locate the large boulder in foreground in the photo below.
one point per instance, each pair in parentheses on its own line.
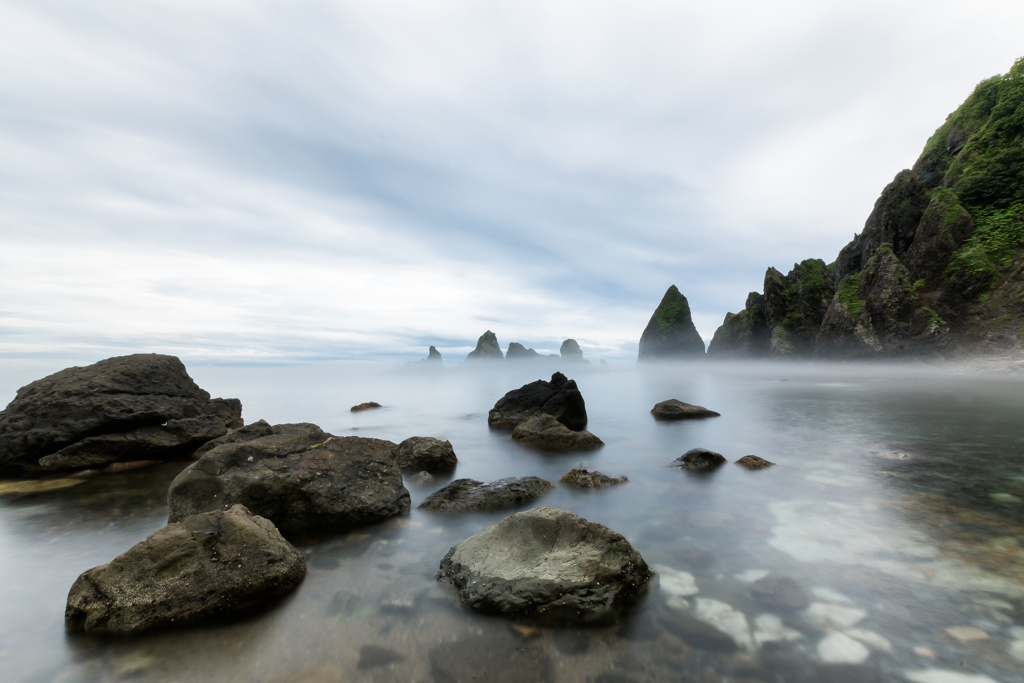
(674,409)
(299,477)
(559,398)
(670,334)
(550,564)
(127,408)
(469,494)
(426,454)
(545,432)
(486,348)
(217,563)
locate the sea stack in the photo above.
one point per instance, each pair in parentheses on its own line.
(486,348)
(433,355)
(670,334)
(571,351)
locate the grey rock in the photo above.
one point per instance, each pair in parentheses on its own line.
(299,477)
(670,334)
(674,409)
(559,398)
(700,459)
(752,462)
(486,348)
(571,351)
(424,453)
(433,355)
(249,432)
(548,564)
(369,405)
(216,563)
(469,494)
(544,431)
(518,351)
(422,478)
(696,633)
(779,592)
(584,479)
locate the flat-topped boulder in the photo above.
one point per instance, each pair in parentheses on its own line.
(426,454)
(469,494)
(214,564)
(700,460)
(301,478)
(753,462)
(547,564)
(545,432)
(584,479)
(674,409)
(127,408)
(559,398)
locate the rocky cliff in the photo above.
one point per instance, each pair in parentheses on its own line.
(937,269)
(670,334)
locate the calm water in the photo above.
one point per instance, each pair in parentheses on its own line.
(914,565)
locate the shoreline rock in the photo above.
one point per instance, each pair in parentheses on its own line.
(700,460)
(469,494)
(559,398)
(545,432)
(581,478)
(674,409)
(426,454)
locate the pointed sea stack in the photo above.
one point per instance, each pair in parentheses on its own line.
(486,348)
(670,334)
(434,355)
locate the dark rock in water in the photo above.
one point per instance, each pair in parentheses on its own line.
(673,409)
(744,334)
(571,351)
(699,459)
(246,433)
(779,592)
(433,355)
(486,348)
(549,564)
(752,462)
(544,431)
(517,350)
(696,633)
(670,334)
(377,655)
(559,398)
(301,478)
(487,659)
(583,479)
(424,453)
(469,494)
(216,563)
(364,406)
(128,408)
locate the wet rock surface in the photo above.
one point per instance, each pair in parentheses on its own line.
(138,407)
(301,478)
(753,462)
(559,398)
(674,409)
(548,564)
(469,494)
(426,454)
(544,431)
(779,592)
(369,405)
(216,563)
(699,460)
(584,479)
(247,433)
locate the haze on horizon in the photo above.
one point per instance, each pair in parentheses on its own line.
(254,181)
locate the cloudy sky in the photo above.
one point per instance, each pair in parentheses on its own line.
(239,181)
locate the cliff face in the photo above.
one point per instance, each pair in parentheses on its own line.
(939,266)
(670,334)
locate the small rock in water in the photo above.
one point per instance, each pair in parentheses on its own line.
(967,634)
(700,459)
(364,406)
(559,398)
(422,478)
(840,648)
(426,453)
(544,431)
(674,409)
(589,480)
(834,616)
(752,462)
(375,655)
(779,592)
(726,619)
(469,494)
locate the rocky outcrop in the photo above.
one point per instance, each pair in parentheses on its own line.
(469,494)
(433,355)
(127,408)
(545,432)
(674,409)
(486,348)
(517,351)
(299,477)
(548,564)
(584,479)
(752,462)
(699,460)
(214,564)
(571,351)
(247,433)
(559,398)
(426,454)
(744,334)
(670,334)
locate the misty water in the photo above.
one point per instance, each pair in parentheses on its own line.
(897,505)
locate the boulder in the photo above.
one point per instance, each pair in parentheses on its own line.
(583,479)
(673,409)
(369,405)
(486,348)
(299,477)
(423,453)
(544,431)
(670,334)
(518,351)
(752,462)
(127,408)
(213,564)
(549,564)
(571,351)
(247,433)
(559,398)
(699,459)
(469,494)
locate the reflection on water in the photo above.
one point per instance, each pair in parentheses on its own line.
(896,508)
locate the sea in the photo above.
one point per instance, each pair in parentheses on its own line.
(894,513)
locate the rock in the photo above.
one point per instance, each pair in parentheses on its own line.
(673,409)
(571,351)
(376,655)
(670,334)
(700,459)
(696,633)
(301,478)
(433,355)
(424,453)
(583,479)
(364,406)
(518,351)
(216,563)
(469,494)
(139,407)
(549,564)
(559,398)
(839,648)
(744,334)
(486,348)
(546,432)
(422,478)
(779,592)
(752,462)
(246,433)
(486,658)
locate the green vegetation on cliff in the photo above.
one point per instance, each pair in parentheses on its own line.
(849,294)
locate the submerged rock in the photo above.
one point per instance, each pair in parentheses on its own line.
(674,409)
(546,432)
(469,494)
(670,334)
(127,408)
(583,479)
(779,592)
(559,398)
(550,564)
(424,453)
(364,406)
(216,563)
(700,459)
(301,478)
(752,462)
(486,348)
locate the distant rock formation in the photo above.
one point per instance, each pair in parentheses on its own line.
(518,351)
(486,348)
(571,351)
(434,355)
(671,334)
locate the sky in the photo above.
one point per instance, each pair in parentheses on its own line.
(252,181)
